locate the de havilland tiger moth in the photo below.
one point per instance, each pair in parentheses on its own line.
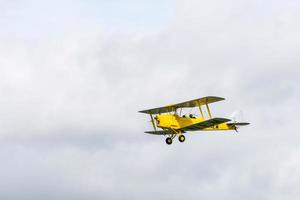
(169,121)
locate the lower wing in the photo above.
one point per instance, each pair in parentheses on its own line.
(205,124)
(158,132)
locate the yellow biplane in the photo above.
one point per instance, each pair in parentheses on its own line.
(172,123)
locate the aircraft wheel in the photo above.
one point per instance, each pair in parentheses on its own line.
(169,140)
(181,138)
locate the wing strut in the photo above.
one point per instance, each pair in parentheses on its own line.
(199,105)
(208,110)
(152,120)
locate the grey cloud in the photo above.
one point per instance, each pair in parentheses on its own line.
(69,122)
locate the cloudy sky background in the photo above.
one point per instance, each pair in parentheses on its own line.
(73,75)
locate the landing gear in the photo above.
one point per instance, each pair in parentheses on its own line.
(170,137)
(181,138)
(169,140)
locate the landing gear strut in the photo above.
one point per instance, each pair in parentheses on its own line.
(169,140)
(181,138)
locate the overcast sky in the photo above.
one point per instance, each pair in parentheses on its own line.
(73,75)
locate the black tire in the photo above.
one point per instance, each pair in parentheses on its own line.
(181,138)
(169,140)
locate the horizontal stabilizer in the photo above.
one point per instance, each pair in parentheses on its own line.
(238,123)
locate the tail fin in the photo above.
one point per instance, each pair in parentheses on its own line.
(237,115)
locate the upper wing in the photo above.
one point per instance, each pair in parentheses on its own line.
(205,124)
(186,104)
(199,102)
(154,111)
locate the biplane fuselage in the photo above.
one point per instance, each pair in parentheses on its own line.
(169,121)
